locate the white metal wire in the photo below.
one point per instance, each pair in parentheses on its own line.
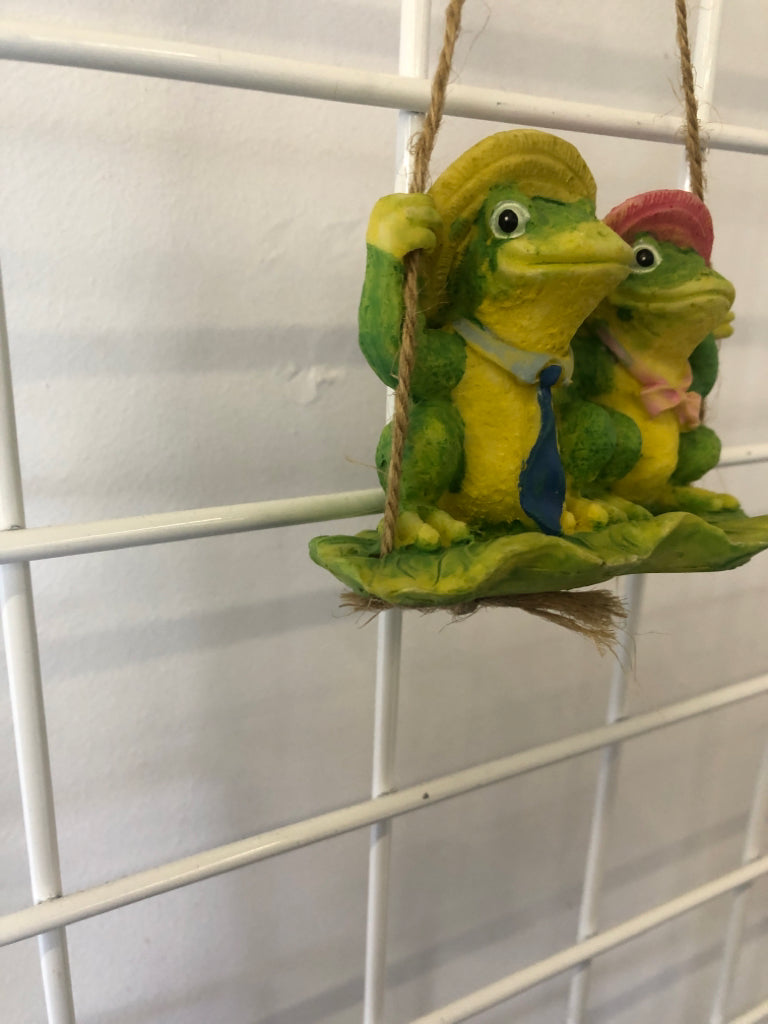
(388,658)
(735,926)
(209,863)
(756,1015)
(705,64)
(604,794)
(550,967)
(187,62)
(37,542)
(704,60)
(163,58)
(413,62)
(29,729)
(163,527)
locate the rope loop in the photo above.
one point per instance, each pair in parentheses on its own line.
(423,144)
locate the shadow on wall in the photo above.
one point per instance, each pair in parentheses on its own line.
(159,637)
(411,968)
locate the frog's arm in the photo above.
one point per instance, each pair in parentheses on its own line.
(598,444)
(629,444)
(400,224)
(704,362)
(585,436)
(699,452)
(699,449)
(593,365)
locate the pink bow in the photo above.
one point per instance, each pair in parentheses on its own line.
(660,396)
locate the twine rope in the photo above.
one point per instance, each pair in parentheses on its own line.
(422,146)
(693,148)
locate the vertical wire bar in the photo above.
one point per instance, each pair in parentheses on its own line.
(704,58)
(387,689)
(25,684)
(735,927)
(604,797)
(704,62)
(414,62)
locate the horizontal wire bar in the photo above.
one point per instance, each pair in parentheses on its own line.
(551,966)
(743,455)
(161,527)
(754,1016)
(160,58)
(99,899)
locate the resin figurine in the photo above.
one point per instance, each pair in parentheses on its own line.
(533,465)
(515,260)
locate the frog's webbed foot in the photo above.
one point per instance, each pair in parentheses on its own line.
(450,530)
(428,529)
(588,514)
(583,514)
(692,499)
(622,509)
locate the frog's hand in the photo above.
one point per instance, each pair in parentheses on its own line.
(629,445)
(404,222)
(586,437)
(400,224)
(704,362)
(699,451)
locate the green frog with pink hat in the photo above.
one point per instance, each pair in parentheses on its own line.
(631,422)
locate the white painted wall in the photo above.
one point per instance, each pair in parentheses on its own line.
(182,266)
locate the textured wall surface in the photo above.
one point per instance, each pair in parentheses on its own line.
(182,266)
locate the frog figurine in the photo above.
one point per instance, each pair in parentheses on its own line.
(519,486)
(513,260)
(645,358)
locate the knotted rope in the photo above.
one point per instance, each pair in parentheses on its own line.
(693,148)
(422,146)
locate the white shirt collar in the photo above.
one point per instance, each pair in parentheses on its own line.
(521,363)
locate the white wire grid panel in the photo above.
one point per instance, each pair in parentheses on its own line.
(52,910)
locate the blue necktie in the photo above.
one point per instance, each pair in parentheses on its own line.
(542,480)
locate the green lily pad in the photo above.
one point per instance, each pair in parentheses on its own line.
(498,564)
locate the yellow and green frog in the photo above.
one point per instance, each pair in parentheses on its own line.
(555,428)
(513,261)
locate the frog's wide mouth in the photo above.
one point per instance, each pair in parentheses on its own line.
(561,267)
(699,291)
(679,301)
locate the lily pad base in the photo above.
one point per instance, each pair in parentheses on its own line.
(499,564)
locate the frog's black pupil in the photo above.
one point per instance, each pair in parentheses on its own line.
(508,221)
(645,257)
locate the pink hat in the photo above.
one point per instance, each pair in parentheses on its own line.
(668,214)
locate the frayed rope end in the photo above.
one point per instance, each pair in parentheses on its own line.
(594,614)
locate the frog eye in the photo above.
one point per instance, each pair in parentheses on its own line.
(508,219)
(647,257)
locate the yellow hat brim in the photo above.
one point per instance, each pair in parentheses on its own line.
(539,164)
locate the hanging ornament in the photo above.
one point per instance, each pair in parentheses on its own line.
(550,372)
